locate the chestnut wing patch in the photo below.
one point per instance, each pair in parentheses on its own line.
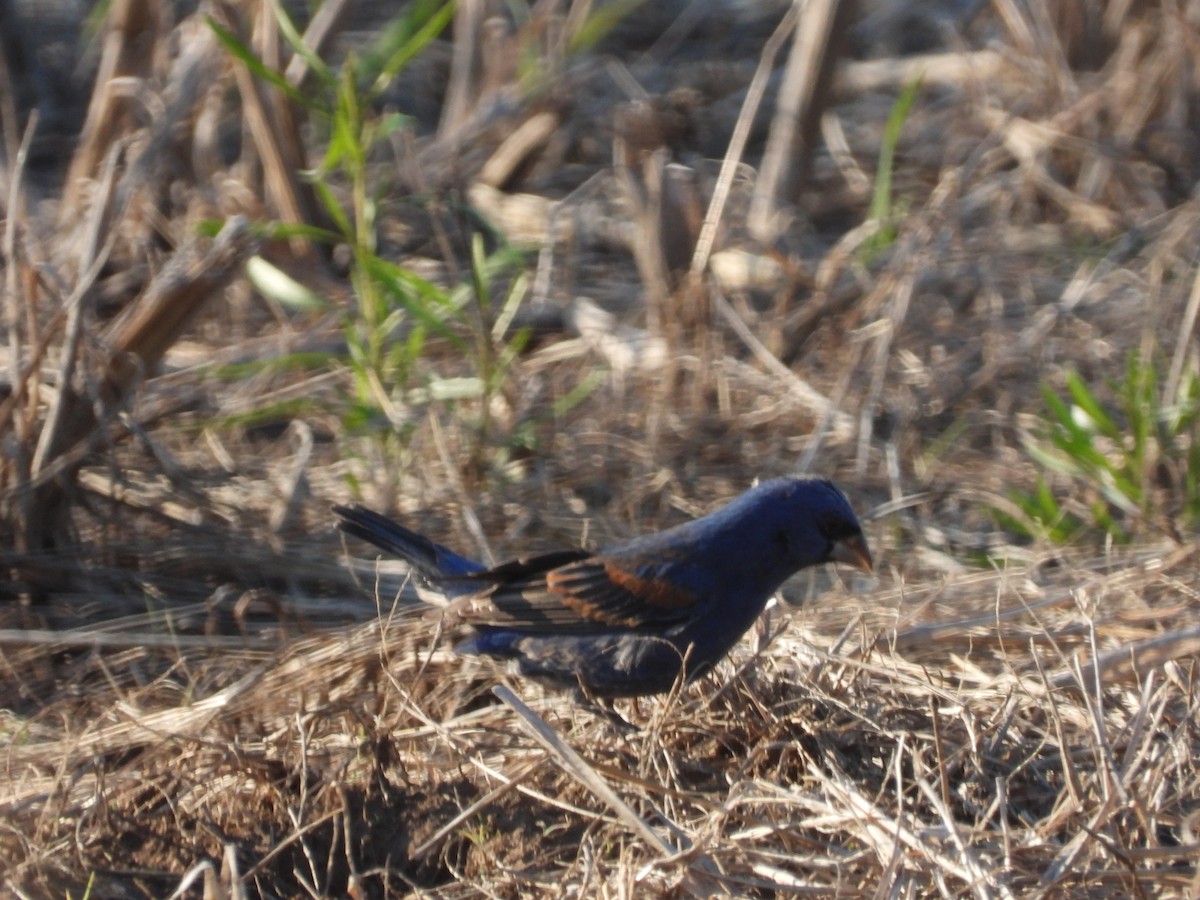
(600,591)
(583,596)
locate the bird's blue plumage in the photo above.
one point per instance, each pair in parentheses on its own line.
(431,561)
(623,620)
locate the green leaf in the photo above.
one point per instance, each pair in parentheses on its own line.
(234,46)
(333,208)
(291,362)
(296,41)
(600,23)
(881,209)
(422,299)
(1087,401)
(405,40)
(1062,413)
(580,392)
(267,414)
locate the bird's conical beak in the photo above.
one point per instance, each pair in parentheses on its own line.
(853,551)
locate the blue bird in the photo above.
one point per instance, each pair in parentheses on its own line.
(628,619)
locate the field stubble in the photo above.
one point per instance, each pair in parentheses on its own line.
(202,692)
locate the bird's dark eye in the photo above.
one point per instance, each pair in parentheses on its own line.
(836,528)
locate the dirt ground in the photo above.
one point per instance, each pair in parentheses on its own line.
(205,692)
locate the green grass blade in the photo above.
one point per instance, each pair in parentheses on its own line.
(409,37)
(600,24)
(881,209)
(1086,401)
(296,41)
(234,46)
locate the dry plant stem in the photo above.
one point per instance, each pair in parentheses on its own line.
(8,114)
(135,728)
(465,67)
(148,180)
(193,276)
(897,292)
(129,51)
(881,832)
(20,375)
(934,69)
(273,123)
(266,35)
(324,24)
(406,157)
(12,223)
(1142,655)
(576,767)
(808,397)
(516,147)
(138,342)
(643,194)
(680,217)
(1020,28)
(56,641)
(544,798)
(293,485)
(982,884)
(889,329)
(755,823)
(1183,346)
(738,139)
(803,98)
(466,503)
(200,870)
(90,265)
(299,834)
(472,809)
(23,390)
(670,40)
(833,415)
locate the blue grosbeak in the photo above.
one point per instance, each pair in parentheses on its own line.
(626,620)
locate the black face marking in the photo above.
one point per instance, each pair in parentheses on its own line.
(836,527)
(783,537)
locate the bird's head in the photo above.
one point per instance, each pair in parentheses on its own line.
(813,522)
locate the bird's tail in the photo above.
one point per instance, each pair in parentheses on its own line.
(432,560)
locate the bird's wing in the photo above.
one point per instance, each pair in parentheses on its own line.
(573,593)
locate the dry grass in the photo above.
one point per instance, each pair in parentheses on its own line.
(201,696)
(951,736)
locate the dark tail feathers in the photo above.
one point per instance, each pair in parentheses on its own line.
(430,559)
